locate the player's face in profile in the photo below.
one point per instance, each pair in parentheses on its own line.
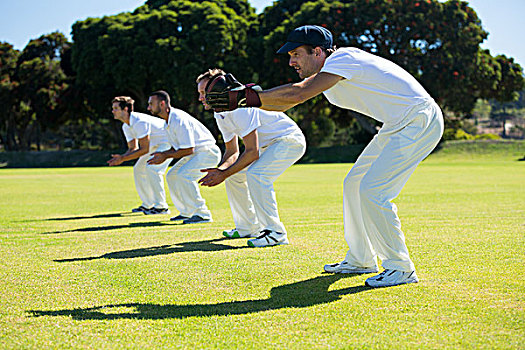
(201,86)
(117,112)
(154,105)
(304,62)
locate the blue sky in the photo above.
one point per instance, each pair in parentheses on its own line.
(22,20)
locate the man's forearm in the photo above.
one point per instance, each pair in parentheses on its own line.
(244,160)
(179,153)
(280,98)
(228,160)
(287,96)
(133,154)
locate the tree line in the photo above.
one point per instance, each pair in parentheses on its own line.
(57,93)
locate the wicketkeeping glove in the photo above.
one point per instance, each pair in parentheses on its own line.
(225,93)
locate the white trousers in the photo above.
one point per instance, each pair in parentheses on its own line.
(250,191)
(371,225)
(182,181)
(149,179)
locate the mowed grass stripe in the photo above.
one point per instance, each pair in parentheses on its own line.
(78,271)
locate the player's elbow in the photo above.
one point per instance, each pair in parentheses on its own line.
(252,154)
(188,151)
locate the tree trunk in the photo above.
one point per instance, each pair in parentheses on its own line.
(141,102)
(38,135)
(12,145)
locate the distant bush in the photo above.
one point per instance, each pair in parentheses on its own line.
(487,137)
(449,134)
(456,134)
(463,135)
(460,134)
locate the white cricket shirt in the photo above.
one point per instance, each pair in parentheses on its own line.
(141,124)
(373,85)
(184,131)
(242,121)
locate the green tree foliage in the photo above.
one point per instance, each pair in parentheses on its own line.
(165,44)
(436,42)
(161,45)
(8,59)
(33,81)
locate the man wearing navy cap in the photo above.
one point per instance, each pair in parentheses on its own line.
(353,79)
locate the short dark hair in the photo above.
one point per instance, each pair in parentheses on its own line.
(328,52)
(210,74)
(123,102)
(162,96)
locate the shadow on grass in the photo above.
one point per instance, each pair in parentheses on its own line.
(301,294)
(114,227)
(98,216)
(198,246)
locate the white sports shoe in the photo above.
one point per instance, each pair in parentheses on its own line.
(389,278)
(345,267)
(268,238)
(234,233)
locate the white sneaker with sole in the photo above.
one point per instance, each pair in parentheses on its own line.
(268,238)
(234,233)
(345,267)
(389,278)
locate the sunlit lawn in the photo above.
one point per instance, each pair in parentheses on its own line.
(79,271)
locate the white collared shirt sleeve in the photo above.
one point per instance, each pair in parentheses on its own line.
(128,132)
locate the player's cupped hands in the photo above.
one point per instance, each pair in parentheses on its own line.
(225,93)
(157,158)
(214,177)
(115,160)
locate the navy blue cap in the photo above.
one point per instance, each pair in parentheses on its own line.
(307,35)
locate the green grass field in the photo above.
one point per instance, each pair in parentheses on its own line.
(80,272)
